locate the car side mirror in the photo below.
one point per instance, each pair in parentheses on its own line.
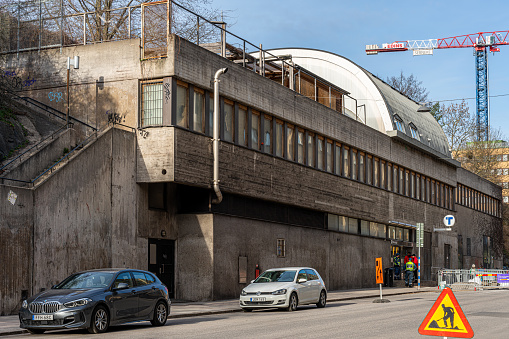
(121,286)
(302,280)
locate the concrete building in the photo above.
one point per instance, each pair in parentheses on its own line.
(320,164)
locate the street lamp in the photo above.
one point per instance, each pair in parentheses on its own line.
(76,63)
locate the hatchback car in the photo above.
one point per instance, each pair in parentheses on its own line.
(284,288)
(95,300)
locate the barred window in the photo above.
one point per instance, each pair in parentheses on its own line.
(152,104)
(281,248)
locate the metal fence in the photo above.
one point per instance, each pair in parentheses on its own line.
(473,279)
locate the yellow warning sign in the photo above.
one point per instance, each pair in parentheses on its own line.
(379,273)
(446,318)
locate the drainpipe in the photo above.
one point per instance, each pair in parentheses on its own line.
(215,139)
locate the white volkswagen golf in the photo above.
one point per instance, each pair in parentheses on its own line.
(284,288)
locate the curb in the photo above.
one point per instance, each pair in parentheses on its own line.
(234,310)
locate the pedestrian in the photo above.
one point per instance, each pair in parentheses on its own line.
(407,256)
(397,267)
(409,273)
(416,262)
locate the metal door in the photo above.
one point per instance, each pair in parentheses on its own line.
(161,261)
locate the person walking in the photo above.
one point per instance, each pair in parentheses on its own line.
(397,267)
(409,273)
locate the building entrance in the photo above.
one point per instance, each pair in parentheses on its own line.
(161,261)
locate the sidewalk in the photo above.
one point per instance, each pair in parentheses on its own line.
(9,325)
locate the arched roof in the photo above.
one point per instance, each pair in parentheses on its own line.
(380,103)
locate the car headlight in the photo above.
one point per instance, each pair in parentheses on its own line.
(280,292)
(24,304)
(243,292)
(77,303)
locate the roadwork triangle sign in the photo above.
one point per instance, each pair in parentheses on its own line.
(446,319)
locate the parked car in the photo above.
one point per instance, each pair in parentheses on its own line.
(97,299)
(284,288)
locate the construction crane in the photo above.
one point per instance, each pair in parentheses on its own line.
(481,42)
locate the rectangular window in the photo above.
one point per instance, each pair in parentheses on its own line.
(343,224)
(242,128)
(389,177)
(333,222)
(395,179)
(412,185)
(433,197)
(182,104)
(199,110)
(401,181)
(382,231)
(337,165)
(392,232)
(406,234)
(407,183)
(364,227)
(383,181)
(373,229)
(353,226)
(362,169)
(354,164)
(330,156)
(399,233)
(228,120)
(152,104)
(310,151)
(346,161)
(211,115)
(290,142)
(279,138)
(417,186)
(376,172)
(281,248)
(300,146)
(267,134)
(320,140)
(369,170)
(255,130)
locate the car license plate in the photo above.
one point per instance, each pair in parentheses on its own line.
(258,299)
(42,317)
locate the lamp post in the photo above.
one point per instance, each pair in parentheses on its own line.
(76,64)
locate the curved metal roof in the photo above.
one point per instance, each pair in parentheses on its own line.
(380,103)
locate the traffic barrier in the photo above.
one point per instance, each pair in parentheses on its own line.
(473,279)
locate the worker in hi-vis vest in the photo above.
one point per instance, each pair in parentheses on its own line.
(409,273)
(397,267)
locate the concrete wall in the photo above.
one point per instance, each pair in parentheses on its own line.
(344,261)
(16,252)
(45,157)
(85,213)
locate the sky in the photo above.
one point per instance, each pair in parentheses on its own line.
(346,27)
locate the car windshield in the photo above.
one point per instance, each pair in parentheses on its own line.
(87,280)
(276,276)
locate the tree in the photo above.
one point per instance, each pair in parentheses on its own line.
(105,20)
(458,125)
(409,86)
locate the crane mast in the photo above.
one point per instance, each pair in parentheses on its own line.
(481,42)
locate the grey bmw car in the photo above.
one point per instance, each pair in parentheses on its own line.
(95,300)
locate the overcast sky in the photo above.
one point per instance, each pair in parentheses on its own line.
(346,27)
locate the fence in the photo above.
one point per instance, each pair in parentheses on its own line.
(474,279)
(40,24)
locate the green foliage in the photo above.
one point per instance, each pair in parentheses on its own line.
(66,150)
(436,112)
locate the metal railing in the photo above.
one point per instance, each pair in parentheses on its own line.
(473,279)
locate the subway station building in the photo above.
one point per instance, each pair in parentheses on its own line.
(321,164)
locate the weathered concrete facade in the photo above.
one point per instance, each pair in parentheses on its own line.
(98,209)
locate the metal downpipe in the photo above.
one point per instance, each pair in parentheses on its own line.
(215,137)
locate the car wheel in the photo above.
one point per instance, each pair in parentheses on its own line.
(35,331)
(323,300)
(160,314)
(247,310)
(292,304)
(100,320)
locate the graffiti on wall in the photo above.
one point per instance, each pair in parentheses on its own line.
(143,133)
(13,81)
(114,117)
(55,96)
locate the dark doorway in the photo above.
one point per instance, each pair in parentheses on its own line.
(161,261)
(447,256)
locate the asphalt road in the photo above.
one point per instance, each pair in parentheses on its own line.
(486,311)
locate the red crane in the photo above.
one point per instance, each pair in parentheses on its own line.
(480,42)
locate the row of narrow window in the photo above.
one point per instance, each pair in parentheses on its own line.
(358,226)
(476,200)
(260,131)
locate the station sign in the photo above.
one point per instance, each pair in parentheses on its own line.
(449,220)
